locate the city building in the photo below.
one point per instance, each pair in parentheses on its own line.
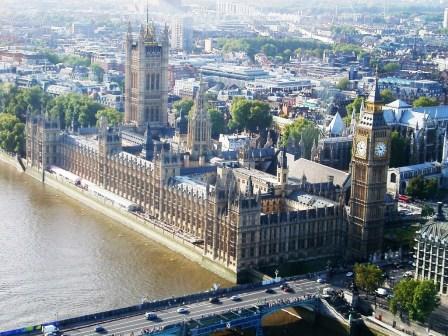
(423,127)
(333,152)
(445,18)
(182,33)
(398,178)
(146,83)
(239,218)
(199,127)
(370,162)
(431,251)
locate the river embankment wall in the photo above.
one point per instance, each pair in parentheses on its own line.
(146,227)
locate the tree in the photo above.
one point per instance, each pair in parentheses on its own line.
(388,96)
(184,105)
(420,187)
(74,108)
(349,108)
(427,210)
(368,277)
(415,186)
(12,134)
(399,149)
(425,101)
(342,84)
(249,114)
(217,121)
(98,72)
(21,102)
(269,49)
(301,130)
(391,67)
(417,299)
(113,116)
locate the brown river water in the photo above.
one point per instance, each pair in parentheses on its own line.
(59,258)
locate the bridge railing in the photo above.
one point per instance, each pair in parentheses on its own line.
(155,305)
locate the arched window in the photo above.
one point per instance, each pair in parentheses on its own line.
(393,178)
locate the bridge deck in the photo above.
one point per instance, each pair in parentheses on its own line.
(199,315)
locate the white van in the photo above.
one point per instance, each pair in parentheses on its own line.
(50,330)
(150,316)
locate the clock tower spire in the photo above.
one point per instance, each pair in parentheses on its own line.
(370,161)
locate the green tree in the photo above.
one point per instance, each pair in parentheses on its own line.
(12,134)
(427,210)
(269,49)
(98,72)
(349,108)
(301,129)
(184,105)
(388,96)
(217,121)
(343,84)
(51,56)
(21,102)
(391,67)
(368,276)
(415,186)
(417,299)
(74,107)
(74,60)
(420,187)
(399,149)
(250,114)
(113,116)
(430,188)
(425,101)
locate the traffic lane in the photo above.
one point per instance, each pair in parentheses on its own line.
(303,282)
(172,317)
(132,319)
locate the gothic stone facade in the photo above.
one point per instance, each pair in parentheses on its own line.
(146,89)
(237,226)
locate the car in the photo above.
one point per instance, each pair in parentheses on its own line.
(214,300)
(182,310)
(288,290)
(349,274)
(381,292)
(269,291)
(283,286)
(235,298)
(100,329)
(150,316)
(321,280)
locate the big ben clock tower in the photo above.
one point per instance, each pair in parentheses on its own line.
(370,161)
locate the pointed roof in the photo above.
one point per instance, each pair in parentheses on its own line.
(199,103)
(336,126)
(398,104)
(375,96)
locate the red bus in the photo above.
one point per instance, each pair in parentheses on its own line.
(404,198)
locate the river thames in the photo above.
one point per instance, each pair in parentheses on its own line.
(59,258)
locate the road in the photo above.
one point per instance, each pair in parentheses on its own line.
(136,323)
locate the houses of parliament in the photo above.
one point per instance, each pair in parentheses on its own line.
(240,216)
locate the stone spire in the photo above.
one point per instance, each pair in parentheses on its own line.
(199,127)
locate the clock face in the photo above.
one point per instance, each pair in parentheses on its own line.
(361,148)
(380,149)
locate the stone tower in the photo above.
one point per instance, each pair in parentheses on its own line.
(146,78)
(199,127)
(109,143)
(370,161)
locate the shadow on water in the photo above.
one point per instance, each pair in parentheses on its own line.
(286,324)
